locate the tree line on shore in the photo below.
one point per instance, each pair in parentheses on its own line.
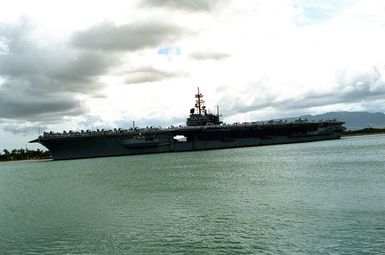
(365,131)
(23,154)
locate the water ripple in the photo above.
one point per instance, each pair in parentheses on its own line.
(313,198)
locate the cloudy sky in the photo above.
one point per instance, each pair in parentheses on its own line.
(102,64)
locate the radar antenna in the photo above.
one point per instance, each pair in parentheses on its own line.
(199,103)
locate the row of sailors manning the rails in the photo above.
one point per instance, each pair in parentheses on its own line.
(171,127)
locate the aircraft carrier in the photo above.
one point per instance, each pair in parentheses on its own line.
(203,131)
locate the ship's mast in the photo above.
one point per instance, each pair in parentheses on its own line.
(199,103)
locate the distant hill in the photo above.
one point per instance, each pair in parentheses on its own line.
(353,120)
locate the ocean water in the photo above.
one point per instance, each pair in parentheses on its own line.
(311,198)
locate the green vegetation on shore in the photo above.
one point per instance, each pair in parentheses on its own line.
(365,131)
(24,154)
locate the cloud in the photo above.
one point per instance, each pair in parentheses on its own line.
(251,97)
(149,74)
(44,80)
(24,129)
(209,55)
(128,37)
(351,87)
(20,105)
(187,5)
(359,85)
(3,45)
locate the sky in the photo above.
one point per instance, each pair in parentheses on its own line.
(72,65)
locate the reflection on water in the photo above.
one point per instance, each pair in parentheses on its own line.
(322,197)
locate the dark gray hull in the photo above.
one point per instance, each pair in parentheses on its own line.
(104,146)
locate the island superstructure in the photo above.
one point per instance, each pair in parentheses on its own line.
(203,131)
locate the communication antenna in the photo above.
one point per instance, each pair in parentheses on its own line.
(199,103)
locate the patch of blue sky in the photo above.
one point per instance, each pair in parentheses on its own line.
(318,11)
(169,51)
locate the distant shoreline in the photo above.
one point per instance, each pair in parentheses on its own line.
(25,160)
(365,131)
(24,154)
(362,134)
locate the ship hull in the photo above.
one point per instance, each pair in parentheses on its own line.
(247,142)
(105,146)
(90,147)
